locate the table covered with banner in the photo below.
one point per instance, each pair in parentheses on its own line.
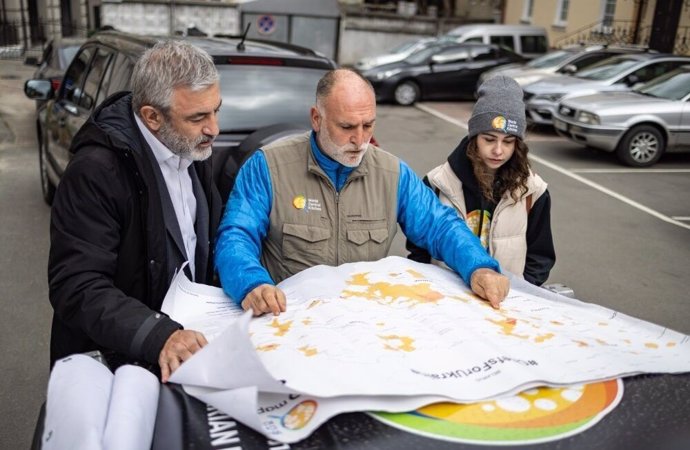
(388,354)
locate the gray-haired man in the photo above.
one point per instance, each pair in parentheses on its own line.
(136,201)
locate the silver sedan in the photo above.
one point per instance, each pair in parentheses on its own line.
(639,125)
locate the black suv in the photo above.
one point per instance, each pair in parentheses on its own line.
(267,91)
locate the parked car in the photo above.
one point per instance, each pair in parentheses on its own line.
(56,56)
(618,73)
(397,53)
(640,126)
(443,72)
(567,61)
(267,91)
(526,40)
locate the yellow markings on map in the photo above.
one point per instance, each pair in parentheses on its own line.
(398,343)
(507,326)
(543,337)
(417,294)
(581,343)
(555,322)
(415,274)
(307,321)
(267,347)
(603,324)
(651,345)
(281,328)
(671,344)
(308,351)
(380,324)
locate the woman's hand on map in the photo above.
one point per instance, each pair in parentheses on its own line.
(263,299)
(490,285)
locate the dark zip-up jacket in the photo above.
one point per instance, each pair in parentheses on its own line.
(109,267)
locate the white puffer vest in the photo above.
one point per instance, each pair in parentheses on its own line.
(507,234)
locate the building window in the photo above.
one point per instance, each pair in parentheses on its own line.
(562,13)
(527,11)
(608,11)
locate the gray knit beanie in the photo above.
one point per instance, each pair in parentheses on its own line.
(499,107)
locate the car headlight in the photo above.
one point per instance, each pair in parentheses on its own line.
(386,74)
(587,117)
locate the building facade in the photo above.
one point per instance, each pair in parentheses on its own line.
(632,22)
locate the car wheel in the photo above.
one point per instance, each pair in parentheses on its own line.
(406,93)
(642,146)
(47,187)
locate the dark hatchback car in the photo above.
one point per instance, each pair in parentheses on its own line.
(444,72)
(56,56)
(267,91)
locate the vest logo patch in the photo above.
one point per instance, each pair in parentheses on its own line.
(299,202)
(306,204)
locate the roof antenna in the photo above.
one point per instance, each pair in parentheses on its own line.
(240,45)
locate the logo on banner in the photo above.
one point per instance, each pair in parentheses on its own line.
(536,415)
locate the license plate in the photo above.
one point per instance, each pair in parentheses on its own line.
(559,125)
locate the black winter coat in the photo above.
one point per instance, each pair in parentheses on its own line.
(108,265)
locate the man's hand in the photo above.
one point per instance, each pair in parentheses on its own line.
(263,299)
(179,347)
(490,285)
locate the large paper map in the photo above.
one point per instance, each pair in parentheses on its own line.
(394,330)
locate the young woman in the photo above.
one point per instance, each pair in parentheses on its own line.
(488,180)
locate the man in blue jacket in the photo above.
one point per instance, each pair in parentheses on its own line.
(330,197)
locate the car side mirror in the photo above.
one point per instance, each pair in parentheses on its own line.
(38,89)
(569,69)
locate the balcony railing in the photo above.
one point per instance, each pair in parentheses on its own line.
(622,33)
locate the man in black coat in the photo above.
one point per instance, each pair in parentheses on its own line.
(136,201)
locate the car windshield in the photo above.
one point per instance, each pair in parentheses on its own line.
(420,56)
(257,96)
(674,85)
(408,46)
(607,68)
(550,59)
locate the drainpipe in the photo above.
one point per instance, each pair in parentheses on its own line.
(638,20)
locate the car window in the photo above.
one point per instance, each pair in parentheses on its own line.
(674,85)
(607,68)
(92,84)
(550,59)
(451,56)
(65,56)
(71,87)
(654,70)
(503,41)
(474,39)
(589,59)
(533,44)
(484,53)
(257,96)
(122,72)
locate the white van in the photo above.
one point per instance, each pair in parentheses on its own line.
(527,40)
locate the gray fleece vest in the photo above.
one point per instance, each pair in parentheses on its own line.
(312,224)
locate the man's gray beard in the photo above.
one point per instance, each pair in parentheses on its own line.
(182,146)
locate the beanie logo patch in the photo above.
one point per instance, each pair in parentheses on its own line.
(507,126)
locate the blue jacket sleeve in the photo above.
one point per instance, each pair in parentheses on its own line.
(429,224)
(243,228)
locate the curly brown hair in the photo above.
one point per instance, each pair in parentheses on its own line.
(510,177)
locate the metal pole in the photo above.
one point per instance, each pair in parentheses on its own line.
(24,30)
